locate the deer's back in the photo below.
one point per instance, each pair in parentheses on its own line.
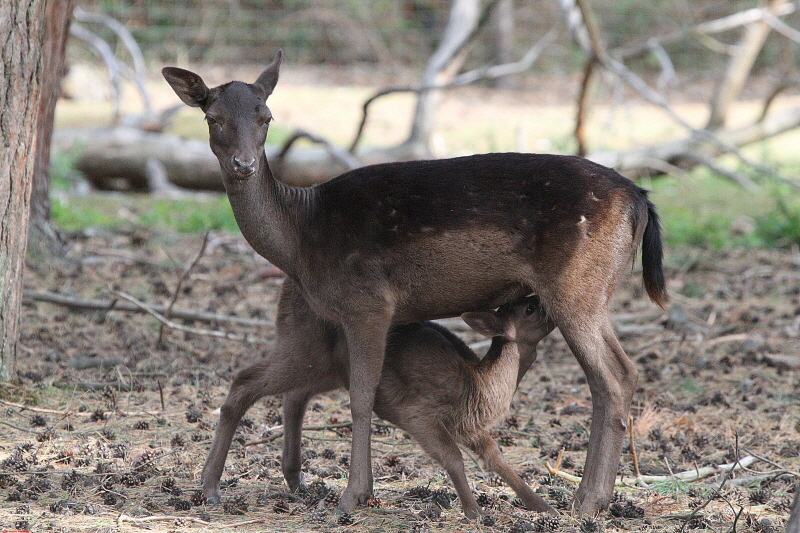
(528,195)
(478,230)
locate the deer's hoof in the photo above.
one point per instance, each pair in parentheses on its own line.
(212,500)
(589,506)
(472,512)
(350,500)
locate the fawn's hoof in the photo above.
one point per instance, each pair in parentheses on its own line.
(212,500)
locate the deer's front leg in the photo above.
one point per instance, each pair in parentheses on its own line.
(366,341)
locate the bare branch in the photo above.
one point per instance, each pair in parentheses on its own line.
(688,475)
(652,96)
(122,33)
(739,67)
(774,93)
(472,76)
(781,27)
(583,103)
(463,24)
(103,50)
(181,280)
(116,305)
(710,27)
(337,153)
(197,331)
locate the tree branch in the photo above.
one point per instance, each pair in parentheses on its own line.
(652,96)
(115,305)
(346,158)
(197,331)
(466,78)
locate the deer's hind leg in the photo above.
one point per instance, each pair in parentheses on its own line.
(437,442)
(577,298)
(612,381)
(294,409)
(248,386)
(493,460)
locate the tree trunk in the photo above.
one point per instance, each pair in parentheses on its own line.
(732,82)
(21,35)
(44,243)
(502,38)
(463,19)
(117,159)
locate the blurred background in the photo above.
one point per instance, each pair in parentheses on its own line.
(697,100)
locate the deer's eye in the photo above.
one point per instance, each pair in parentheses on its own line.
(529,310)
(211,120)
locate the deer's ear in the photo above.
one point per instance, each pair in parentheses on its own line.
(484,322)
(187,85)
(266,82)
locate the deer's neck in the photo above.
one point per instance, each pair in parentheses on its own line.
(495,382)
(270,214)
(500,365)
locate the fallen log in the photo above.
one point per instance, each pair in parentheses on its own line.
(688,152)
(117,159)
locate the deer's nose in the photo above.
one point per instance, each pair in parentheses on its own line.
(244,166)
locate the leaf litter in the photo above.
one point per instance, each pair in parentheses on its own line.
(106,429)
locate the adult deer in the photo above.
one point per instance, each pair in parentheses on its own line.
(403,242)
(432,386)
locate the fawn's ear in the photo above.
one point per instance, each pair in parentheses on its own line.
(187,85)
(483,322)
(266,82)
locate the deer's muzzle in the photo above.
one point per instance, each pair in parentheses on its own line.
(244,168)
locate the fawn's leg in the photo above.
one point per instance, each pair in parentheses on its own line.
(612,381)
(294,408)
(248,386)
(493,460)
(439,444)
(366,342)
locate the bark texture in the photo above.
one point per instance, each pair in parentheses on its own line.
(20,35)
(44,243)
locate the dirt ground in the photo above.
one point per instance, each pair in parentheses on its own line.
(109,428)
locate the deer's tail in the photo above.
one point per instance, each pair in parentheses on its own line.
(652,255)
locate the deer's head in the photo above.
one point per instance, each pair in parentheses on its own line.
(237,115)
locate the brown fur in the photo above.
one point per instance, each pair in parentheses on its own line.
(403,242)
(432,386)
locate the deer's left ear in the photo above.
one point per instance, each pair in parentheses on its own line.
(266,82)
(187,85)
(483,322)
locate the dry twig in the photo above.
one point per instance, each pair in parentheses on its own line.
(181,280)
(197,331)
(688,475)
(115,305)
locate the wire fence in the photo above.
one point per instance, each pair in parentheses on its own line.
(393,32)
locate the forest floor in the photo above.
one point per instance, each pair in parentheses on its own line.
(108,428)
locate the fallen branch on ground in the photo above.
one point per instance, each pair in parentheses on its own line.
(77,413)
(688,475)
(109,305)
(197,331)
(183,277)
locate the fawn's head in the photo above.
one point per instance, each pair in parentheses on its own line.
(523,321)
(237,115)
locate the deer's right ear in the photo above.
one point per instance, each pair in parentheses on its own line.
(266,82)
(483,322)
(187,85)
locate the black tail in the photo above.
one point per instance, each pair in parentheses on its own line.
(652,255)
